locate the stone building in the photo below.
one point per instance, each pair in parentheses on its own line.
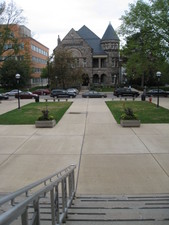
(98,57)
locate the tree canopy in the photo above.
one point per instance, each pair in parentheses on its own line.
(9,15)
(145,27)
(64,71)
(10,68)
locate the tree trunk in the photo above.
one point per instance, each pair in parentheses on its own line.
(142,81)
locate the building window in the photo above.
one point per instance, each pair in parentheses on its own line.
(77,62)
(113,62)
(103,63)
(21,46)
(84,62)
(95,63)
(39,50)
(20,58)
(36,70)
(38,60)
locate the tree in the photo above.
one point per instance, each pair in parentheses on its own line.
(141,59)
(146,29)
(10,68)
(64,70)
(9,16)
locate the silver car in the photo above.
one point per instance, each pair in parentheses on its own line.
(13,92)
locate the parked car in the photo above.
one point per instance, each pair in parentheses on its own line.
(26,95)
(61,93)
(74,90)
(41,92)
(13,92)
(4,97)
(93,94)
(126,92)
(154,92)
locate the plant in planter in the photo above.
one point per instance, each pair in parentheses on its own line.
(129,118)
(45,120)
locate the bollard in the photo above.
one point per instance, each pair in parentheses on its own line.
(150,99)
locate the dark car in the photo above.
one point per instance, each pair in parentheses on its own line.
(41,92)
(93,94)
(154,92)
(26,95)
(61,93)
(126,92)
(4,97)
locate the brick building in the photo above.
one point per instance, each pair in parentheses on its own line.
(98,57)
(37,52)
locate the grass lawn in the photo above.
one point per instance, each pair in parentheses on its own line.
(145,111)
(28,114)
(104,89)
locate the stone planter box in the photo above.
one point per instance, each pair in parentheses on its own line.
(45,123)
(130,123)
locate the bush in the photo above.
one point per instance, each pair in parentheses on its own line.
(45,115)
(128,114)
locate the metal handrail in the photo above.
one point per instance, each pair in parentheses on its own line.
(64,177)
(27,188)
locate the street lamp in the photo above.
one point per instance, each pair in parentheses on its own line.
(115,76)
(158,74)
(17,76)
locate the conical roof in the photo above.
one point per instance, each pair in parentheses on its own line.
(110,34)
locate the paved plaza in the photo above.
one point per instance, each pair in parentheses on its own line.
(110,159)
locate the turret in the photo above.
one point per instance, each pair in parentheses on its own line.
(110,40)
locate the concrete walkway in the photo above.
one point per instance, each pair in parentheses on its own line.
(111,159)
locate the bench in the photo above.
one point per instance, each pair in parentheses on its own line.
(54,99)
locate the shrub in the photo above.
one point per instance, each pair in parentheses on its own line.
(45,115)
(128,114)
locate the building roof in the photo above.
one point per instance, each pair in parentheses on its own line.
(110,34)
(92,39)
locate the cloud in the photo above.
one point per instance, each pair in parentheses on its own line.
(48,19)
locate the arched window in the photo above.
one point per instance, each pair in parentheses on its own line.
(103,79)
(95,79)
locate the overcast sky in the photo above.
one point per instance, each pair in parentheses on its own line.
(48,19)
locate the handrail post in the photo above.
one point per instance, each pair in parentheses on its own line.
(64,198)
(57,204)
(73,181)
(36,212)
(24,217)
(53,216)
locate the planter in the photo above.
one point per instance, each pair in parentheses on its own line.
(130,123)
(45,123)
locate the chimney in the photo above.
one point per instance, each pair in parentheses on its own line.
(59,41)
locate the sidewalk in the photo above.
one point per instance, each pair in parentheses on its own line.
(112,159)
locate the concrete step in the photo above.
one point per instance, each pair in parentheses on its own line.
(125,209)
(106,210)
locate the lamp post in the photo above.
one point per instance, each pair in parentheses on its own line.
(115,76)
(17,76)
(120,75)
(158,74)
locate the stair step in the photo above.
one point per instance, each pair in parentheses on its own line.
(106,210)
(116,223)
(124,209)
